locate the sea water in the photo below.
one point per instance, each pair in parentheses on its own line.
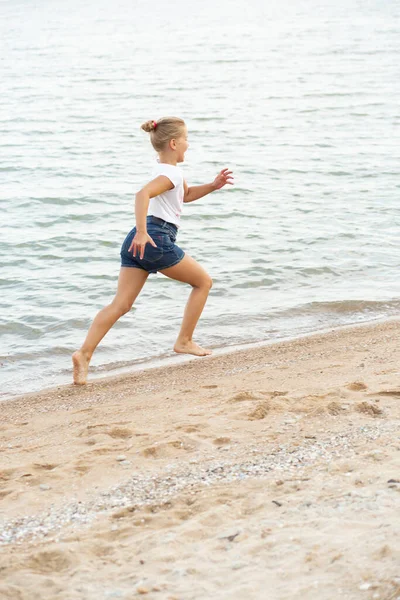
(299,98)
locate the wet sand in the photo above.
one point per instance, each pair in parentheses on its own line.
(270,473)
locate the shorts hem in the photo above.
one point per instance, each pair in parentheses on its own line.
(133,267)
(155,270)
(172,264)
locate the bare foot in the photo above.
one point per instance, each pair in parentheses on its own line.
(191,348)
(81,366)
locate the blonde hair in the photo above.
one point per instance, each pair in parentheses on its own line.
(164,130)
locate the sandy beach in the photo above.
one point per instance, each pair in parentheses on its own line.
(269,474)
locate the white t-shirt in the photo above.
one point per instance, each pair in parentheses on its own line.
(168,206)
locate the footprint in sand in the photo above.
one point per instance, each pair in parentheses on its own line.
(45,466)
(170,449)
(383,552)
(248,396)
(369,409)
(81,468)
(120,432)
(335,408)
(99,451)
(14,475)
(107,429)
(357,386)
(260,412)
(5,493)
(222,441)
(7,474)
(244,397)
(53,561)
(192,428)
(128,511)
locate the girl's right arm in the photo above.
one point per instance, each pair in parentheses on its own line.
(157,186)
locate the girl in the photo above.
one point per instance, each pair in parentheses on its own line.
(150,246)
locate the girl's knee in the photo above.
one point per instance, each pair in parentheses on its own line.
(122,306)
(206,282)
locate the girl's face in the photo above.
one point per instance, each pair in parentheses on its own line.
(181,145)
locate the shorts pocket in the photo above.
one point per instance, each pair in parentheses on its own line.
(152,254)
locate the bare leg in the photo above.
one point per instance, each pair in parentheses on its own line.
(130,283)
(189,271)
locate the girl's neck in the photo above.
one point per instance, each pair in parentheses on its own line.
(167,159)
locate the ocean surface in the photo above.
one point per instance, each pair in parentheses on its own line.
(300,98)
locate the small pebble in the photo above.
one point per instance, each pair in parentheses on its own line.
(142,589)
(121,457)
(44,486)
(365,586)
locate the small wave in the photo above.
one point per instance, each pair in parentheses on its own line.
(343,307)
(340,173)
(306,271)
(264,282)
(56,200)
(330,94)
(10,169)
(205,119)
(28,357)
(102,277)
(83,218)
(16,328)
(221,215)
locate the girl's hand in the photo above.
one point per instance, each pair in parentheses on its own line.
(139,243)
(224,177)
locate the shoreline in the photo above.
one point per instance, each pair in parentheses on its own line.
(174,360)
(272,466)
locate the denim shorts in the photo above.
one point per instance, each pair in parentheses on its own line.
(167,254)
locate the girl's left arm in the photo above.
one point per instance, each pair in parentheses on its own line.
(198,191)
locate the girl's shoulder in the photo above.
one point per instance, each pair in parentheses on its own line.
(171,171)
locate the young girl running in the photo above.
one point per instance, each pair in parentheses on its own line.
(150,246)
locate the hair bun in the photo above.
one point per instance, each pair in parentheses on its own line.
(149,126)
